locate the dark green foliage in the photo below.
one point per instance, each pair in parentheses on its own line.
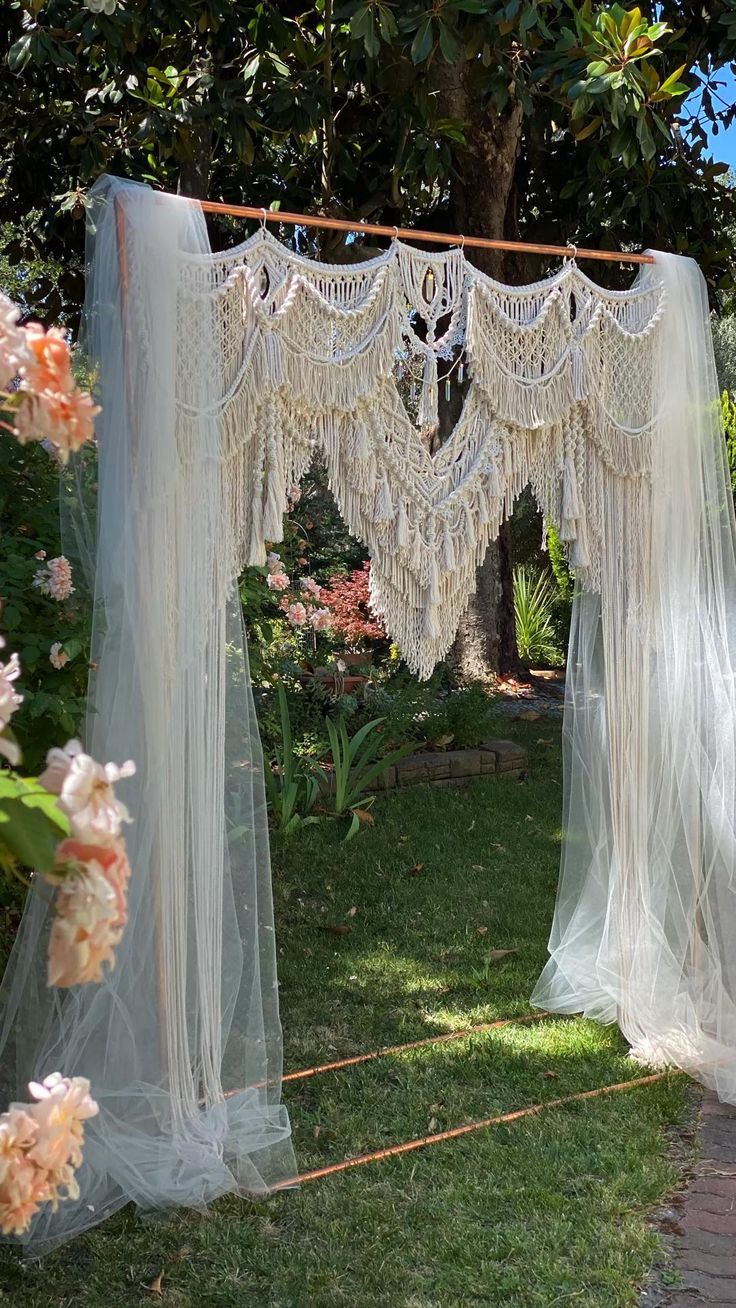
(53,700)
(728,411)
(229,98)
(534,603)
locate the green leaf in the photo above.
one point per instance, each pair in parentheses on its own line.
(449,44)
(421,46)
(646,140)
(31,826)
(19,54)
(673,80)
(353,829)
(589,129)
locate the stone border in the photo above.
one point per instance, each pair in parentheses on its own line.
(705,1230)
(457,767)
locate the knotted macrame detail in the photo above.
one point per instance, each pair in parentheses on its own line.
(349,361)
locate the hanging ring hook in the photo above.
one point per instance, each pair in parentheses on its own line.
(572,254)
(395,236)
(264,215)
(462,242)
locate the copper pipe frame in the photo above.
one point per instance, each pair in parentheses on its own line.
(414,234)
(532,1110)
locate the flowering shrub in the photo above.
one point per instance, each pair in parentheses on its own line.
(46,404)
(67,825)
(348,601)
(42,407)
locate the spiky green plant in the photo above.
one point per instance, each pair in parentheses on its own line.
(534,602)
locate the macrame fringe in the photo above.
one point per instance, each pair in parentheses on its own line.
(560,399)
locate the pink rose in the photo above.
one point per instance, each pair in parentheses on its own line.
(297,615)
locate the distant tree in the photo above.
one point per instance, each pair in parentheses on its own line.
(541,119)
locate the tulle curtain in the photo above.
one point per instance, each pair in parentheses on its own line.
(645,925)
(181,1042)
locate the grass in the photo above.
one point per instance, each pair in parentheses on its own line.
(549,1211)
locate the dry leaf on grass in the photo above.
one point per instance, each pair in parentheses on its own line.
(363,815)
(155,1286)
(496,954)
(352,911)
(338,929)
(481,931)
(416,869)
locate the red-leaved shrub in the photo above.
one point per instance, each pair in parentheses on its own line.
(347,598)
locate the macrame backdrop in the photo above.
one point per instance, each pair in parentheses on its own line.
(221,376)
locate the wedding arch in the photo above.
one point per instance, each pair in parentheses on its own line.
(220,375)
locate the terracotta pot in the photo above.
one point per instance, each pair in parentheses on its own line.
(357,658)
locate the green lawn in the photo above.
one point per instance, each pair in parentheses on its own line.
(549,1211)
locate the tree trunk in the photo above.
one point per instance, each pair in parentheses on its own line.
(482,204)
(194,173)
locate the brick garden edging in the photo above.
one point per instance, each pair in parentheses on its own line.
(705,1245)
(457,767)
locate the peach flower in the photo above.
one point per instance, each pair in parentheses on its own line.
(66,419)
(277,581)
(48,365)
(297,615)
(321,619)
(85,790)
(40,1146)
(58,657)
(91,910)
(62,1105)
(55,579)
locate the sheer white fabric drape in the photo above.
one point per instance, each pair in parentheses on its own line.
(181,1042)
(645,924)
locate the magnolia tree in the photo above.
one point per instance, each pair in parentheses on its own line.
(67,823)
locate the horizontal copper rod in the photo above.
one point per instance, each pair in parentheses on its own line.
(455,1131)
(413,1044)
(413,234)
(388,1050)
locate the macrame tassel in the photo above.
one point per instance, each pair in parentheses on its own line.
(416,551)
(273,514)
(384,510)
(427,417)
(430,625)
(448,550)
(361,444)
(257,539)
(543,542)
(570,498)
(434,581)
(578,373)
(579,554)
(469,525)
(402,527)
(508,464)
(484,516)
